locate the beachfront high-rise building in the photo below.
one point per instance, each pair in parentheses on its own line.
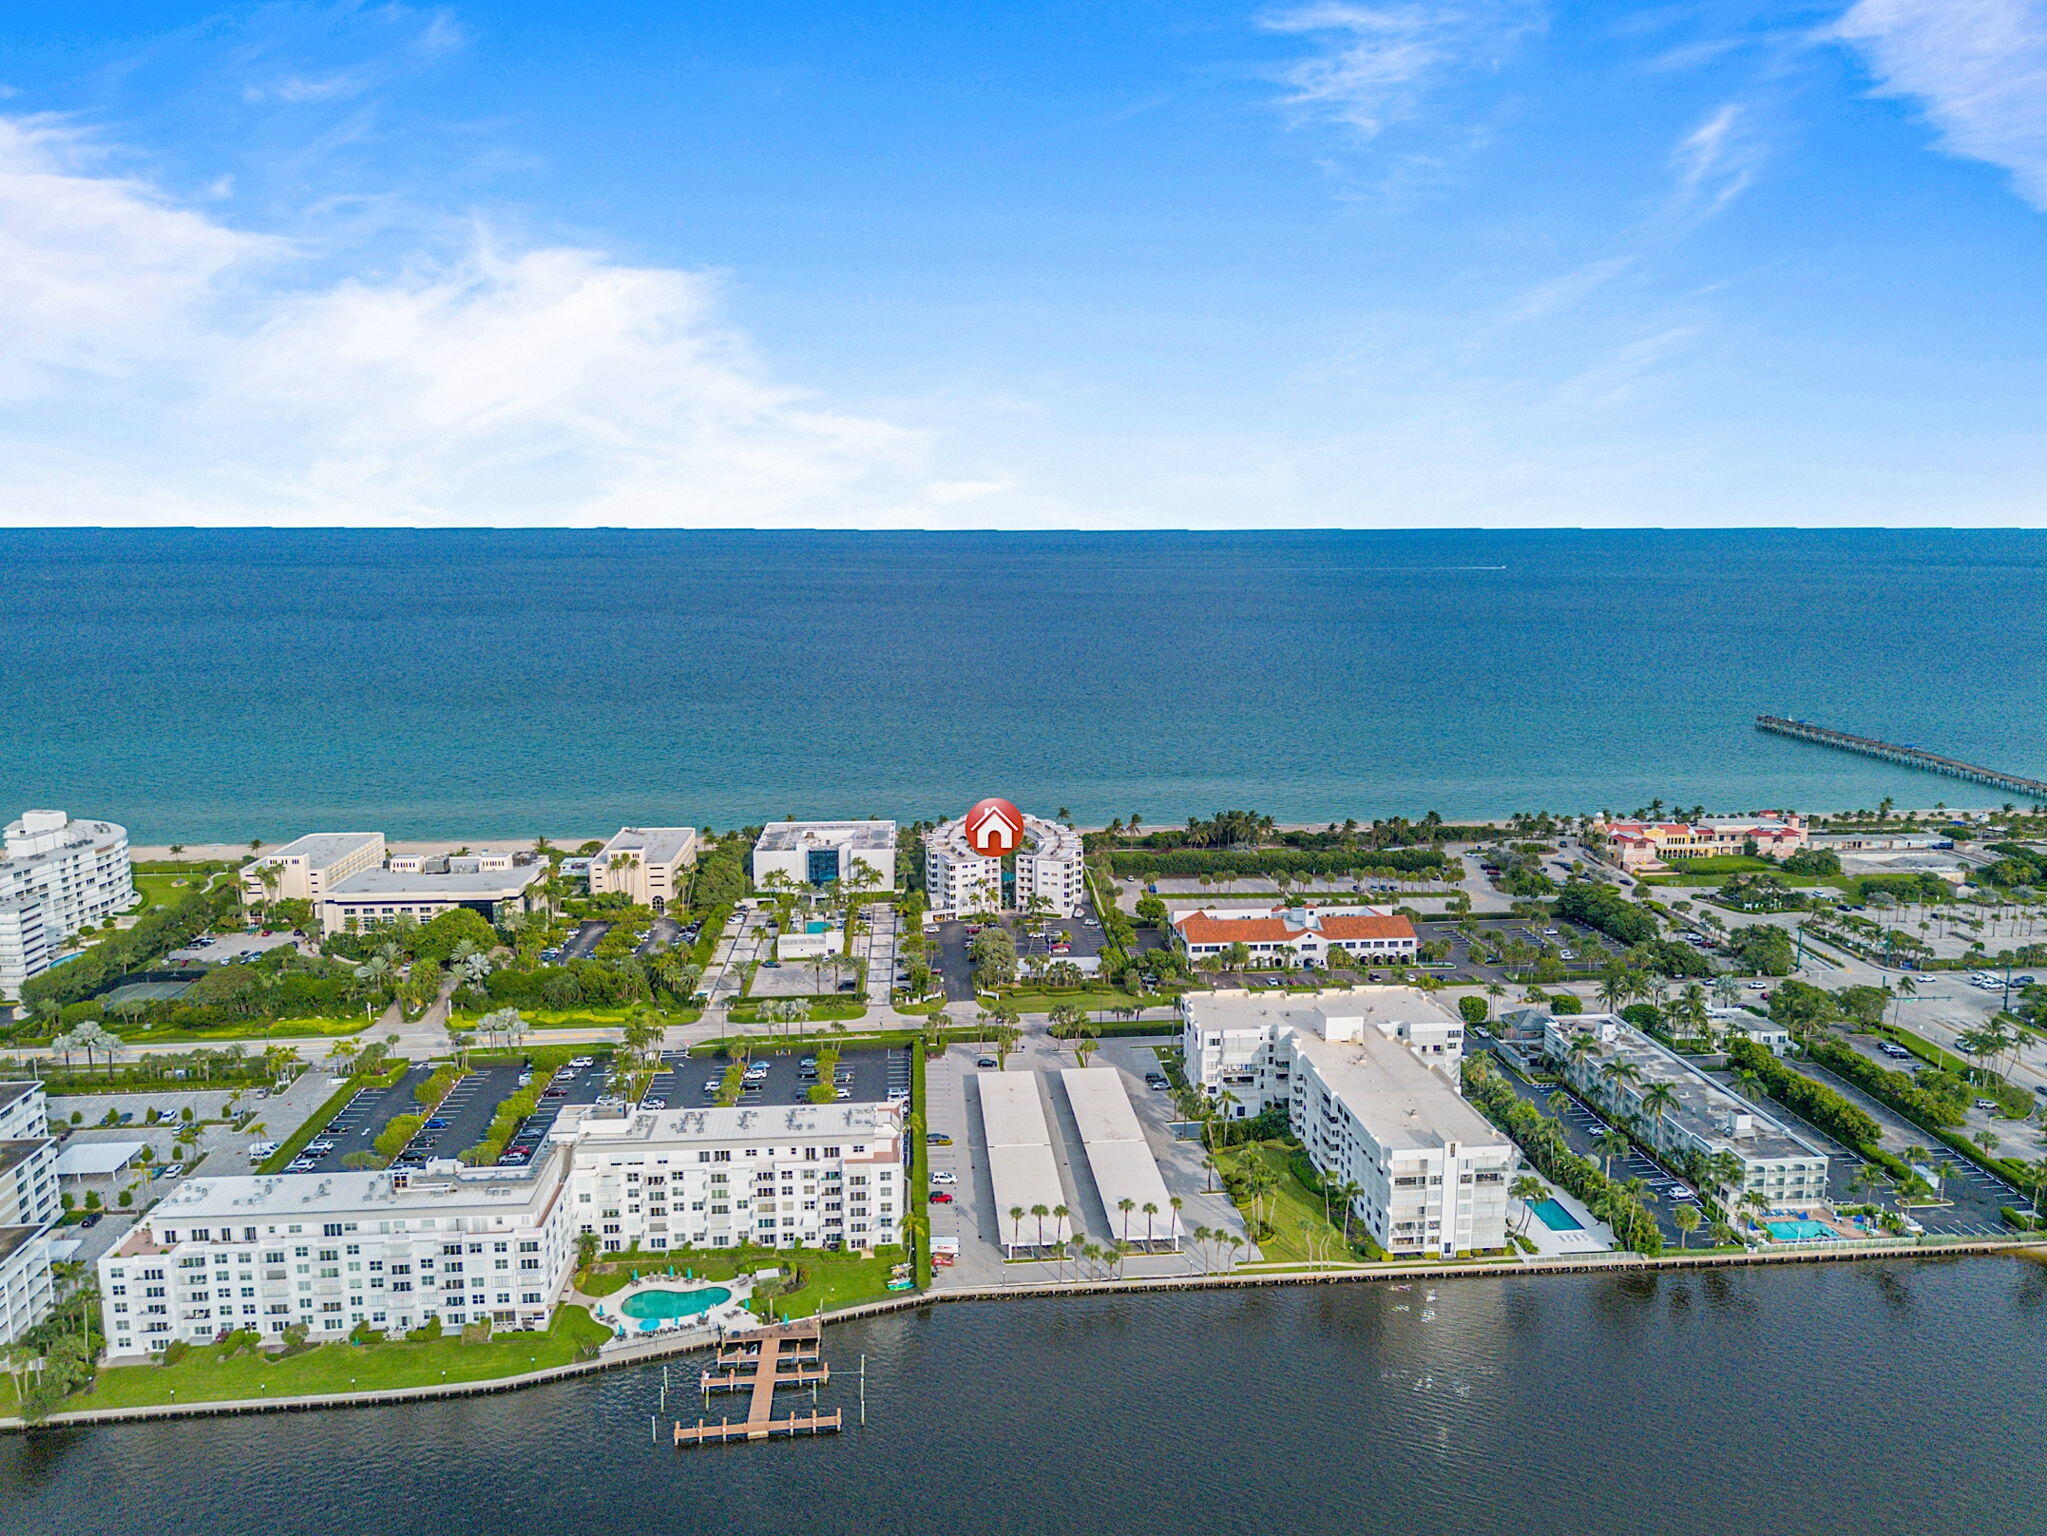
(1368,1080)
(393,1249)
(29,1208)
(817,853)
(648,865)
(958,880)
(306,868)
(57,877)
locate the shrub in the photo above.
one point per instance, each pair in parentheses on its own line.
(1566,1003)
(1815,1101)
(1893,1088)
(175,1351)
(1603,907)
(1473,1009)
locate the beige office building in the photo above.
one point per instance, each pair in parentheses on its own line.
(307,868)
(649,866)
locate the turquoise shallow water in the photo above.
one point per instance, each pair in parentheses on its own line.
(221,685)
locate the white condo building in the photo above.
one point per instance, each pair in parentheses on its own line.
(393,1250)
(29,1208)
(1700,1116)
(813,853)
(1048,859)
(57,877)
(1368,1079)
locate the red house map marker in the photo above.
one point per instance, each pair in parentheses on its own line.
(994,828)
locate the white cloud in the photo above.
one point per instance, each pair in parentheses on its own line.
(1978,69)
(1378,61)
(1715,163)
(165,367)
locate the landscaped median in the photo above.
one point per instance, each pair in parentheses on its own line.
(237,1371)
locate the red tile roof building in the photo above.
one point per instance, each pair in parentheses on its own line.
(1649,846)
(1301,935)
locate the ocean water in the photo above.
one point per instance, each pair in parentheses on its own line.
(223,685)
(1883,1399)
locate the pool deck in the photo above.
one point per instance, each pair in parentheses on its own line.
(1593,1236)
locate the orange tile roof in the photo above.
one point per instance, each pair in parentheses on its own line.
(1200,928)
(1367,926)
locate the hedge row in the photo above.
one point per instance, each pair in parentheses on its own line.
(1191,863)
(1895,1089)
(1825,1107)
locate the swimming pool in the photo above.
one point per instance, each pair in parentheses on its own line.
(666,1306)
(1552,1214)
(1799,1231)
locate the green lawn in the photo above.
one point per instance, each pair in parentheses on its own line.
(202,1376)
(157,890)
(831,1280)
(1289,1207)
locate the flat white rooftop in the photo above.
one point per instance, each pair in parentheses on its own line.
(1118,1155)
(319,849)
(1405,1104)
(1021,1167)
(477,884)
(787,836)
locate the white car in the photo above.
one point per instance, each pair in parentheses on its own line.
(942,1176)
(579,1062)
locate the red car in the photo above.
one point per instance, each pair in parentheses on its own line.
(940,1197)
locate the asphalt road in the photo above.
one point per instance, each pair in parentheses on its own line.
(581,944)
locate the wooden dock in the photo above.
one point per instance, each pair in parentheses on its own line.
(759,1363)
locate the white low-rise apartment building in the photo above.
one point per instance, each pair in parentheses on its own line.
(1617,1067)
(1048,861)
(29,1208)
(649,866)
(496,886)
(334,1250)
(58,876)
(1369,1081)
(1307,936)
(805,1175)
(815,853)
(394,1250)
(306,868)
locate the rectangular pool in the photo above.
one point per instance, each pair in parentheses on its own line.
(1552,1214)
(1799,1231)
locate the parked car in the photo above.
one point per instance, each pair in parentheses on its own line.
(945,1176)
(940,1139)
(940,1197)
(986,1062)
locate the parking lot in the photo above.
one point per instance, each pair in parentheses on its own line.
(869,1077)
(969,1216)
(1082,940)
(359,1122)
(581,944)
(662,934)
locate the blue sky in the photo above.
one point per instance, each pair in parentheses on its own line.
(1432,263)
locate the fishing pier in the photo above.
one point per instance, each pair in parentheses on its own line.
(1910,757)
(758,1363)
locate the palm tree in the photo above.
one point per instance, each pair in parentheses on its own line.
(1150,1210)
(1016,1216)
(1657,1101)
(1529,1190)
(1686,1219)
(1126,1205)
(1612,1143)
(1176,1203)
(1041,1212)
